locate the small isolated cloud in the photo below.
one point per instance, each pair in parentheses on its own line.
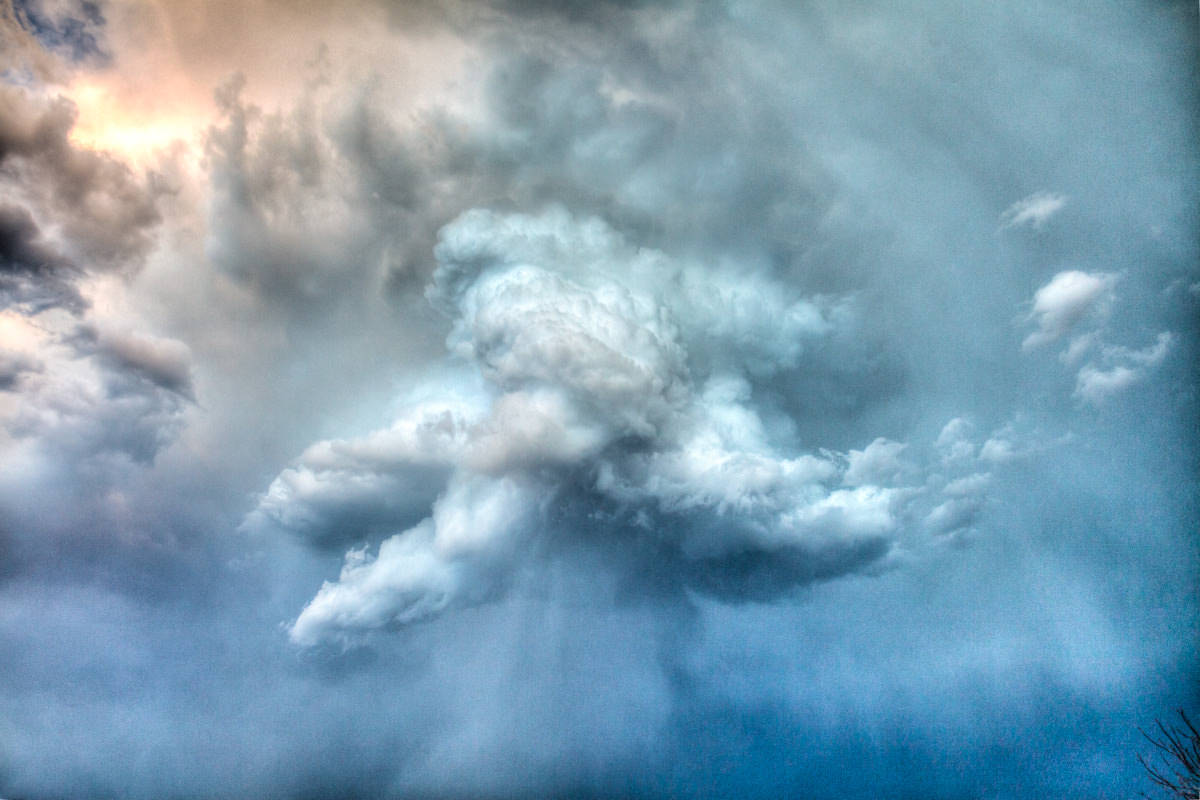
(1033,210)
(1119,369)
(1064,301)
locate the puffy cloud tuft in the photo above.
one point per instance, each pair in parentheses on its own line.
(1064,301)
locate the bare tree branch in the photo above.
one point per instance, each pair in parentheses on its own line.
(1177,768)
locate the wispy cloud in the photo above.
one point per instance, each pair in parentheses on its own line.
(1119,368)
(1034,210)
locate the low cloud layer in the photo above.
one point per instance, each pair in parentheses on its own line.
(508,399)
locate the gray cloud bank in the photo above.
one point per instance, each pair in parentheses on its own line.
(733,400)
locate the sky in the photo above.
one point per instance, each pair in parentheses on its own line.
(614,399)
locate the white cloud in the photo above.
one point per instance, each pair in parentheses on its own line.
(585,348)
(444,560)
(1058,307)
(1119,369)
(1064,301)
(954,515)
(1033,210)
(879,462)
(1079,347)
(954,442)
(851,513)
(971,485)
(86,394)
(997,450)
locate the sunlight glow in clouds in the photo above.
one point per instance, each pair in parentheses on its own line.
(136,135)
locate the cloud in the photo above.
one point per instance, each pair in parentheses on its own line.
(78,408)
(104,212)
(516,398)
(584,346)
(72,28)
(1034,210)
(1119,369)
(33,276)
(446,560)
(23,52)
(880,462)
(954,441)
(69,211)
(1064,301)
(12,365)
(1060,305)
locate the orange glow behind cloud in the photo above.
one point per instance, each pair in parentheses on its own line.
(133,126)
(170,56)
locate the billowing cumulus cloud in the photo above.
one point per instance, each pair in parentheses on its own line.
(607,376)
(98,395)
(101,212)
(511,398)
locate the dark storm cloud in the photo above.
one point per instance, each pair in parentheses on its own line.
(100,213)
(32,274)
(740,400)
(20,247)
(12,365)
(73,214)
(74,28)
